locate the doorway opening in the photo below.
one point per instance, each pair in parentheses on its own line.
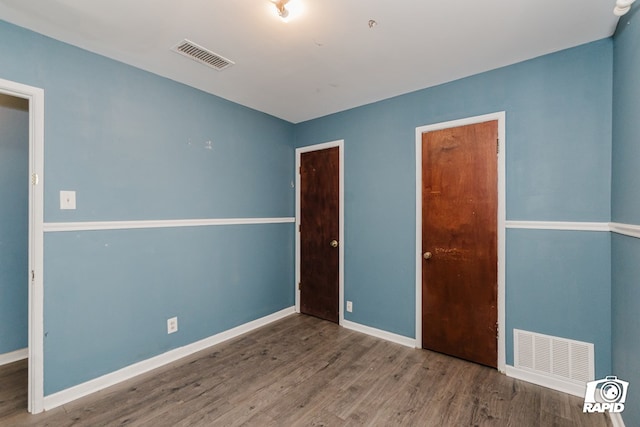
(319,285)
(424,256)
(14,227)
(33,100)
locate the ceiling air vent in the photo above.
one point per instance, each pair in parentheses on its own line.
(202,55)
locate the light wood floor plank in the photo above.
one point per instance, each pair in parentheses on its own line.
(302,371)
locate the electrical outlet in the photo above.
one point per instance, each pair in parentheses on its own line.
(172,325)
(349,306)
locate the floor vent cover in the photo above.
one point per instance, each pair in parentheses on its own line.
(202,55)
(552,356)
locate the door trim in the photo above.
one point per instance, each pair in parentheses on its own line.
(299,152)
(35,96)
(500,117)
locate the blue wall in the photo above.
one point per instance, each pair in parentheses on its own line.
(574,266)
(14,225)
(626,209)
(136,146)
(558,153)
(212,278)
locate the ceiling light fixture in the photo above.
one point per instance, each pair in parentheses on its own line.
(622,7)
(281,7)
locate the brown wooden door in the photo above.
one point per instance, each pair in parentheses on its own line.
(459,242)
(319,233)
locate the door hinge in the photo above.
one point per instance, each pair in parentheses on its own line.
(299,228)
(33,275)
(498,146)
(300,170)
(299,285)
(34,179)
(497,330)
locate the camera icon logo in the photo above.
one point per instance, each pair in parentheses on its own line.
(605,395)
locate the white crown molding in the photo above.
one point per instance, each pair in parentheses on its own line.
(51,227)
(65,396)
(14,356)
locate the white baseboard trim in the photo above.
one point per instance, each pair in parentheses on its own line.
(14,356)
(51,227)
(616,419)
(65,396)
(379,333)
(545,381)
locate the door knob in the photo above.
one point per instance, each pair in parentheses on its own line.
(334,243)
(427,255)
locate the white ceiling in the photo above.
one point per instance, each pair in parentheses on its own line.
(327,59)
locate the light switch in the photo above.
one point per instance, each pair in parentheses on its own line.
(67,199)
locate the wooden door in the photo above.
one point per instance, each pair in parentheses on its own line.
(459,242)
(319,233)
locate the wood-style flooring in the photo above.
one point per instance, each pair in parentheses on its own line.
(301,371)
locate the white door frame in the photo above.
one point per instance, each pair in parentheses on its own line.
(299,151)
(500,117)
(35,96)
